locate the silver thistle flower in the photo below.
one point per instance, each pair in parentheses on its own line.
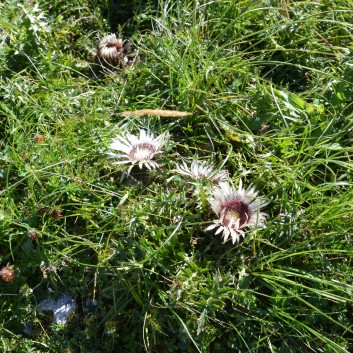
(236,209)
(111,51)
(200,170)
(138,149)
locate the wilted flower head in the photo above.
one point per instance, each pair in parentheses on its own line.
(111,51)
(200,170)
(236,209)
(138,150)
(7,274)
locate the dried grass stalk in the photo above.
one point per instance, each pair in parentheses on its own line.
(157,112)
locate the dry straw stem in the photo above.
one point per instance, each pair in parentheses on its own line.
(157,112)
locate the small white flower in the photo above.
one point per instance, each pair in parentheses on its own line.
(200,170)
(236,209)
(138,150)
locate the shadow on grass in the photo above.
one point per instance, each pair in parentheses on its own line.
(128,16)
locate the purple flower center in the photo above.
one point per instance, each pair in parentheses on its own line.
(235,214)
(142,152)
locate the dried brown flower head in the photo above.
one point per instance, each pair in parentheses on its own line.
(7,274)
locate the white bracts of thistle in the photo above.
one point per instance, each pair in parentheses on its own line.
(236,209)
(202,170)
(138,149)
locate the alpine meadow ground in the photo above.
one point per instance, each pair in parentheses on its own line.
(228,229)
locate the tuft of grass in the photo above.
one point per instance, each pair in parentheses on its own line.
(269,85)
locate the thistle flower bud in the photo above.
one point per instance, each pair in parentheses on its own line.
(111,51)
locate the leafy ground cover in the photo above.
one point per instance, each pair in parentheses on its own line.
(269,86)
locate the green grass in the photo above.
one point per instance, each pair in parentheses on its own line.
(269,84)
